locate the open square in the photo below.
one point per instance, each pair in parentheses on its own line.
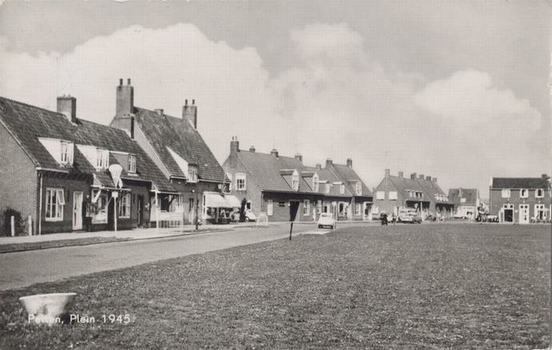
(402,286)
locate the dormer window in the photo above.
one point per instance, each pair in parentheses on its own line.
(60,150)
(342,189)
(131,163)
(102,158)
(315,183)
(192,173)
(295,181)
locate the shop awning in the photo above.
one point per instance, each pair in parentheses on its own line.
(215,200)
(232,201)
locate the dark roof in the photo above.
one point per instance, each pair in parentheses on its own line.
(519,182)
(350,177)
(28,123)
(470,194)
(180,136)
(429,188)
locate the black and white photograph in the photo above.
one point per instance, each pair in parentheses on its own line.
(276,174)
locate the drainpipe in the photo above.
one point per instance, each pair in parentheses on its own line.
(40,204)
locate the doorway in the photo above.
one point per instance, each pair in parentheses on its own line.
(77,210)
(524,213)
(508,212)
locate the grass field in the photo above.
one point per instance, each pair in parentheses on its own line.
(419,287)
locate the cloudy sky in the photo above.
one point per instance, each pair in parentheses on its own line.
(457,90)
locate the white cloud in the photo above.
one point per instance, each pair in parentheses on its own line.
(336,102)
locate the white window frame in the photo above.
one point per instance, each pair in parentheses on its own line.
(358,188)
(64,152)
(131,163)
(102,158)
(541,191)
(269,207)
(393,195)
(306,207)
(342,188)
(124,206)
(100,217)
(380,195)
(506,193)
(295,181)
(192,173)
(54,210)
(315,183)
(521,191)
(243,185)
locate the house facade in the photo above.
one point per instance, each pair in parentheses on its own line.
(270,182)
(178,150)
(466,202)
(520,200)
(416,191)
(66,174)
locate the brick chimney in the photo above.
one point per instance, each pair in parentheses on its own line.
(413,176)
(421,176)
(434,179)
(428,178)
(350,163)
(329,162)
(318,166)
(387,172)
(125,98)
(401,174)
(189,111)
(67,105)
(252,149)
(274,152)
(234,145)
(299,157)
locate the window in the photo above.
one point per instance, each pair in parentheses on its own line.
(505,193)
(124,206)
(131,163)
(523,193)
(393,195)
(328,188)
(540,212)
(248,205)
(315,183)
(102,158)
(229,176)
(100,208)
(281,204)
(270,207)
(55,200)
(358,208)
(342,189)
(65,154)
(295,181)
(462,200)
(358,188)
(240,182)
(380,195)
(306,207)
(192,173)
(539,193)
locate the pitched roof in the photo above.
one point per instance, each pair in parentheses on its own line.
(470,194)
(519,182)
(27,123)
(350,177)
(179,135)
(429,188)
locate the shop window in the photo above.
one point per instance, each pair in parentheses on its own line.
(124,206)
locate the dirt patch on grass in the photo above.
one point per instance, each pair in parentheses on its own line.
(417,287)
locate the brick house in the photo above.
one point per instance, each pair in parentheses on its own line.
(177,149)
(55,170)
(466,202)
(417,191)
(520,200)
(270,182)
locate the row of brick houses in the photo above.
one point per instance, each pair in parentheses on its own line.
(270,182)
(59,169)
(416,191)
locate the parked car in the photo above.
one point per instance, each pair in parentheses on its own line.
(249,216)
(409,215)
(326,220)
(492,218)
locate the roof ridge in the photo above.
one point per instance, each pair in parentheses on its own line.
(32,106)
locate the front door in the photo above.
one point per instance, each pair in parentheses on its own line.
(77,210)
(524,213)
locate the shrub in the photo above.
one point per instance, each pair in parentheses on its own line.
(19,223)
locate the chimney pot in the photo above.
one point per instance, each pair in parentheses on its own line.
(125,99)
(190,112)
(274,152)
(234,145)
(120,81)
(128,81)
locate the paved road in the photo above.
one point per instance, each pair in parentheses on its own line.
(26,268)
